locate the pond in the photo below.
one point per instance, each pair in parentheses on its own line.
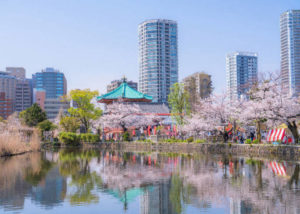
(95,181)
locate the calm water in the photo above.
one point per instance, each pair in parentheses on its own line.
(92,181)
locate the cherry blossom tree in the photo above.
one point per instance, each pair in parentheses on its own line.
(212,113)
(270,105)
(125,115)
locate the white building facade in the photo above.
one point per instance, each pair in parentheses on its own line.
(241,73)
(290,51)
(158,58)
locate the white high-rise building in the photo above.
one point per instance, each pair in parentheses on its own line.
(158,59)
(241,73)
(290,51)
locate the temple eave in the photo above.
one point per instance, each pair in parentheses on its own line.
(109,101)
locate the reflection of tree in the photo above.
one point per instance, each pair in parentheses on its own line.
(13,188)
(85,184)
(34,177)
(179,193)
(295,177)
(75,163)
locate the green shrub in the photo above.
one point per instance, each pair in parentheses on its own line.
(126,136)
(200,141)
(255,141)
(190,139)
(69,138)
(89,138)
(248,141)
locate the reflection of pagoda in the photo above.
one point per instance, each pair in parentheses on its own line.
(124,93)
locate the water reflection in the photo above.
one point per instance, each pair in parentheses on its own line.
(147,183)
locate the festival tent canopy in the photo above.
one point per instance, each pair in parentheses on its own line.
(276,135)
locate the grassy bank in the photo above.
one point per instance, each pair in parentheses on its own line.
(17,139)
(13,144)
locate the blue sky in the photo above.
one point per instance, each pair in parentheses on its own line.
(94,42)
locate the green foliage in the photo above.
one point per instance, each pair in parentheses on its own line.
(32,115)
(126,136)
(248,141)
(34,177)
(85,110)
(179,102)
(200,141)
(69,138)
(255,141)
(46,125)
(89,138)
(190,139)
(75,164)
(69,124)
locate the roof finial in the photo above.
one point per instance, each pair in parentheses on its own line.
(124,79)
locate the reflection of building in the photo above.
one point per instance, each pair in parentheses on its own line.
(156,200)
(158,60)
(238,206)
(52,191)
(241,73)
(290,51)
(116,83)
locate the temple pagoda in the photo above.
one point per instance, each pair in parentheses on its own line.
(124,93)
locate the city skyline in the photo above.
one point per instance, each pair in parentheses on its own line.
(57,37)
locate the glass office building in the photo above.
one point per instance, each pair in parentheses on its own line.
(290,51)
(158,59)
(52,81)
(241,73)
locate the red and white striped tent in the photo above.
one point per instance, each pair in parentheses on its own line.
(278,168)
(276,135)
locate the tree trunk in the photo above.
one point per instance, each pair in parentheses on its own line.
(293,128)
(258,134)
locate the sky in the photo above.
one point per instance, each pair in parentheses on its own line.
(95,41)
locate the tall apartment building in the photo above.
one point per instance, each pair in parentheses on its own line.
(290,51)
(116,83)
(158,58)
(52,81)
(241,73)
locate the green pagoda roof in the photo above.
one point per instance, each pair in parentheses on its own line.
(125,92)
